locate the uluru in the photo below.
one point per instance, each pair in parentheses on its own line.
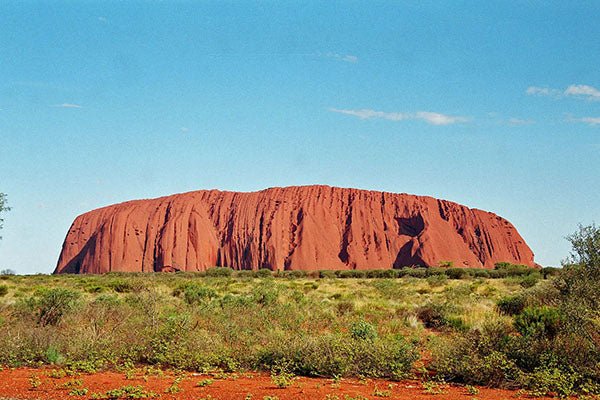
(291,228)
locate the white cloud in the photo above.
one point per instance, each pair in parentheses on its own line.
(593,121)
(542,91)
(520,121)
(370,114)
(67,105)
(586,92)
(349,58)
(583,91)
(439,119)
(184,129)
(427,116)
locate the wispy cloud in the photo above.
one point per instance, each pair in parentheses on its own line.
(543,91)
(432,118)
(371,114)
(439,119)
(585,92)
(184,129)
(593,121)
(520,121)
(349,58)
(104,20)
(67,105)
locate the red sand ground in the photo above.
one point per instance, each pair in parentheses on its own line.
(17,384)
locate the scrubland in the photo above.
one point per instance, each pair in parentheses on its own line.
(510,327)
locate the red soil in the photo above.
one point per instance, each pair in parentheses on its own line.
(17,384)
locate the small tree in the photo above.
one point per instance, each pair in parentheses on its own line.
(579,283)
(586,246)
(3,207)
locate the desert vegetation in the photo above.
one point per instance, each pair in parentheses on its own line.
(3,208)
(513,326)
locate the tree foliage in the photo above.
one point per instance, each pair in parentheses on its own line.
(579,283)
(586,247)
(3,207)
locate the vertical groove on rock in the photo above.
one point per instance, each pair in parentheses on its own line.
(343,255)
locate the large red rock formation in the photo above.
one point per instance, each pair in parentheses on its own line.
(296,228)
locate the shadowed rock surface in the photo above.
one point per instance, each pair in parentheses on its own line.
(292,228)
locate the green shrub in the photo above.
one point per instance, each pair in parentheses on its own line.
(381,273)
(196,294)
(513,269)
(205,382)
(548,272)
(497,273)
(435,271)
(362,330)
(78,392)
(550,380)
(235,301)
(352,273)
(120,286)
(50,305)
(542,294)
(264,273)
(390,273)
(476,357)
(125,392)
(53,355)
(401,272)
(265,294)
(220,272)
(327,274)
(529,280)
(3,290)
(542,359)
(336,355)
(511,305)
(538,321)
(480,273)
(437,280)
(457,273)
(456,323)
(282,379)
(416,272)
(296,274)
(244,274)
(390,358)
(94,289)
(311,355)
(437,316)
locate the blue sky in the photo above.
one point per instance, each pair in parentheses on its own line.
(495,106)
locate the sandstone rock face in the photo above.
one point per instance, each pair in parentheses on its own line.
(292,228)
